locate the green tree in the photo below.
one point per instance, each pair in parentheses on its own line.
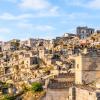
(7,97)
(37,87)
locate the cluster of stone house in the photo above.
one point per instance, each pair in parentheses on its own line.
(87,78)
(33,59)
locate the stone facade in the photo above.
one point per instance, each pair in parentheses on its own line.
(84,32)
(56,94)
(85,68)
(83,93)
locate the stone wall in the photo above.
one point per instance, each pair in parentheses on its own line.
(87,69)
(56,94)
(90,69)
(82,94)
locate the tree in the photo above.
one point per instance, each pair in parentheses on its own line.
(7,97)
(37,87)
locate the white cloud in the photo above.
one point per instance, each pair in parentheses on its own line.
(25,26)
(82,15)
(95,4)
(4,30)
(8,16)
(53,12)
(74,2)
(34,4)
(32,27)
(42,8)
(44,28)
(13,1)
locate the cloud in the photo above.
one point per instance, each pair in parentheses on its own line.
(34,4)
(12,1)
(69,17)
(8,16)
(4,30)
(50,13)
(44,28)
(53,12)
(74,2)
(78,15)
(24,26)
(41,8)
(92,4)
(33,27)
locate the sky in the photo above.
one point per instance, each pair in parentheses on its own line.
(23,19)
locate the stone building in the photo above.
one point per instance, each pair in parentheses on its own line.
(87,78)
(6,46)
(87,68)
(84,32)
(41,53)
(83,93)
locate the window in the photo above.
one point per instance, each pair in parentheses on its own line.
(77,65)
(90,93)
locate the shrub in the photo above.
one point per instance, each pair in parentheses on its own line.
(37,87)
(7,97)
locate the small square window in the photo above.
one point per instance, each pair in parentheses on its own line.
(77,65)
